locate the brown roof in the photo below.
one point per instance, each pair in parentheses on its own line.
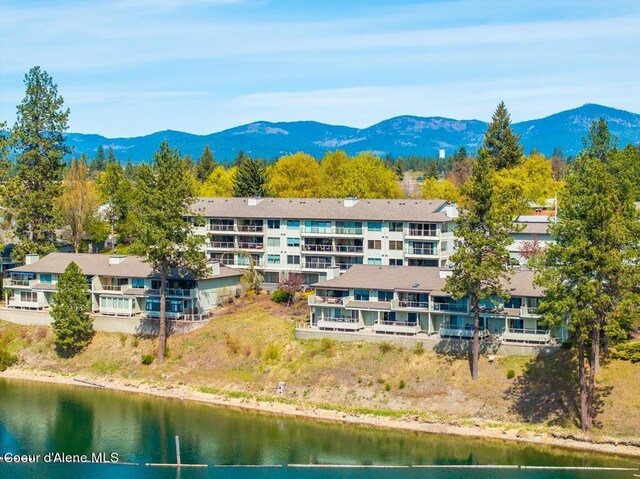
(98,265)
(535,228)
(323,209)
(416,278)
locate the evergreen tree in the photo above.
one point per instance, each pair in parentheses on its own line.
(399,168)
(99,162)
(432,170)
(206,164)
(500,141)
(480,262)
(590,272)
(250,178)
(38,138)
(164,196)
(72,324)
(129,170)
(116,192)
(111,155)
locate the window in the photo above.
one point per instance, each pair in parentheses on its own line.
(313,226)
(422,229)
(385,295)
(395,262)
(374,244)
(155,284)
(137,282)
(361,294)
(273,224)
(293,259)
(395,245)
(273,259)
(293,242)
(412,318)
(513,303)
(348,227)
(374,226)
(293,224)
(29,296)
(273,241)
(376,261)
(45,278)
(395,226)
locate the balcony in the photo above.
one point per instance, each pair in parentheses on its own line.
(324,248)
(180,293)
(528,312)
(318,264)
(250,245)
(326,301)
(464,331)
(421,233)
(20,283)
(396,327)
(221,227)
(340,231)
(526,335)
(316,230)
(250,228)
(450,307)
(420,252)
(406,304)
(340,323)
(222,244)
(16,302)
(349,249)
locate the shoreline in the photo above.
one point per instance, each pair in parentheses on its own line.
(413,424)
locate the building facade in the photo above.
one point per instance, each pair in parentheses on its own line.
(320,238)
(120,286)
(411,301)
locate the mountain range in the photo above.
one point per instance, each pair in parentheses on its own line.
(399,136)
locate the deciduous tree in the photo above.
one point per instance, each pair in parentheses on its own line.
(295,176)
(219,183)
(433,189)
(365,176)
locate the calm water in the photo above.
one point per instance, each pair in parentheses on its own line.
(38,418)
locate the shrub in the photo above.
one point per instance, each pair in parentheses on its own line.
(41,332)
(402,384)
(387,387)
(7,359)
(419,349)
(271,353)
(135,343)
(233,344)
(123,339)
(304,296)
(327,345)
(280,296)
(148,359)
(511,374)
(385,347)
(627,352)
(566,344)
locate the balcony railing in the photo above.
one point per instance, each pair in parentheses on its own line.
(320,230)
(343,248)
(219,227)
(340,319)
(526,335)
(247,245)
(222,244)
(313,299)
(348,231)
(317,247)
(457,308)
(17,302)
(529,312)
(251,228)
(462,331)
(403,303)
(9,282)
(318,264)
(422,233)
(185,293)
(422,251)
(345,266)
(397,323)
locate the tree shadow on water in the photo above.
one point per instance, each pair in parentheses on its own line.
(548,391)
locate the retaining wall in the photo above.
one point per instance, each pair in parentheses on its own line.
(447,346)
(110,324)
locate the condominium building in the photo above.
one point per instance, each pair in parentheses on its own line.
(120,286)
(411,301)
(530,229)
(320,238)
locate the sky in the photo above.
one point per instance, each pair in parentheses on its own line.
(132,67)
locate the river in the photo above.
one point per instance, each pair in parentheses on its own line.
(41,418)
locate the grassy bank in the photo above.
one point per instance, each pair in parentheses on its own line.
(247,348)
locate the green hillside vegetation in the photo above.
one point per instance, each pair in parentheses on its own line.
(247,348)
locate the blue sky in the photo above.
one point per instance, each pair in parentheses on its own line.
(132,67)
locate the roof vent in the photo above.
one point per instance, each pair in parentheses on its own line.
(116,259)
(350,201)
(415,285)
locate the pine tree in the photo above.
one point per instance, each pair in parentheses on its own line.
(480,263)
(432,170)
(164,196)
(500,141)
(38,138)
(205,165)
(72,324)
(590,272)
(111,155)
(250,178)
(116,191)
(99,162)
